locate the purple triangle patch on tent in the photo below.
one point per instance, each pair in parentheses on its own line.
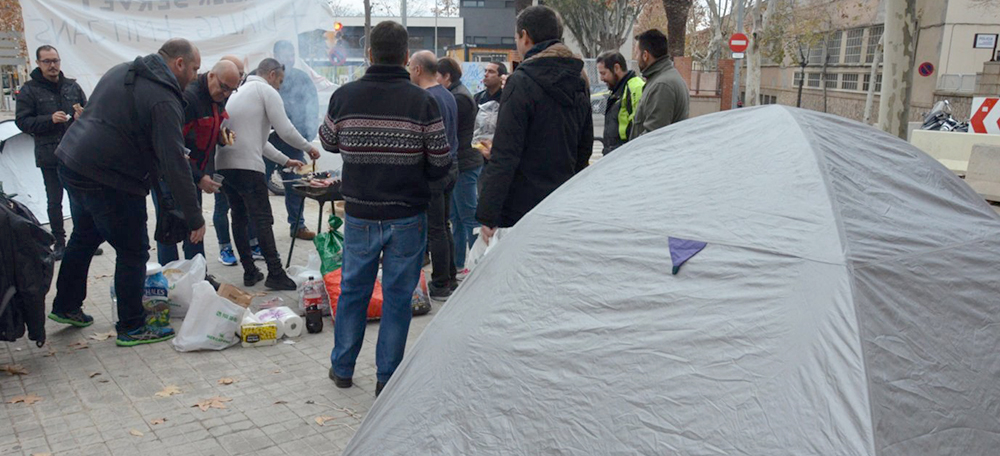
(682,250)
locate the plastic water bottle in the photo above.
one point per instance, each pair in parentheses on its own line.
(312,299)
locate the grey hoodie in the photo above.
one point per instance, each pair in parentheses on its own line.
(665,99)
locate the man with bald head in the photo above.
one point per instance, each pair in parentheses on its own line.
(204,112)
(441,244)
(132,129)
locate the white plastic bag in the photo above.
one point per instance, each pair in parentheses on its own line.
(212,321)
(181,276)
(480,249)
(299,274)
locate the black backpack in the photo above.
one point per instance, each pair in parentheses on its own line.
(26,268)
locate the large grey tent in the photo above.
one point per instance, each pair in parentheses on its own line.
(846,304)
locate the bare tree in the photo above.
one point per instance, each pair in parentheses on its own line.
(598,25)
(897,80)
(677,18)
(721,22)
(760,36)
(368,30)
(870,99)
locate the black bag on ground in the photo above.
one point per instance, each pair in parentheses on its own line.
(26,268)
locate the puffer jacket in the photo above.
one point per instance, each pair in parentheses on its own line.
(38,100)
(26,268)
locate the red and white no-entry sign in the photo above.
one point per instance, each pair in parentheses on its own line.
(985,115)
(738,42)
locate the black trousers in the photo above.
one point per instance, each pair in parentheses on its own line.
(247,195)
(441,243)
(54,193)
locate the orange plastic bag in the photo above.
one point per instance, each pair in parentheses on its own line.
(332,281)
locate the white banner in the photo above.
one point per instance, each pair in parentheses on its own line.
(94,35)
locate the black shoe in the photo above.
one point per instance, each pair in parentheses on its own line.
(58,250)
(378,388)
(440,294)
(421,307)
(453,286)
(341,382)
(213,281)
(99,252)
(251,278)
(280,281)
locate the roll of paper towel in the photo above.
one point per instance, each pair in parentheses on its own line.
(289,323)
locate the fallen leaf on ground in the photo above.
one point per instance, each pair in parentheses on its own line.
(14,369)
(280,402)
(227,381)
(214,402)
(158,421)
(136,433)
(50,353)
(320,420)
(277,371)
(169,391)
(41,454)
(95,374)
(104,380)
(310,402)
(79,345)
(103,336)
(26,399)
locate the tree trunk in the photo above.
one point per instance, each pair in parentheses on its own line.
(368,29)
(897,73)
(753,56)
(678,12)
(870,100)
(802,82)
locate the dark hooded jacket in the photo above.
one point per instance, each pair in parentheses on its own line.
(117,144)
(544,136)
(38,100)
(26,268)
(468,157)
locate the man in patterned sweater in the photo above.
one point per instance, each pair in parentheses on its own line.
(393,142)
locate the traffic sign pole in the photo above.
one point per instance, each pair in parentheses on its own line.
(739,62)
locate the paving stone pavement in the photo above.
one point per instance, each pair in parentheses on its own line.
(101,399)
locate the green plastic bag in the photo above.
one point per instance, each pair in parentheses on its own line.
(330,246)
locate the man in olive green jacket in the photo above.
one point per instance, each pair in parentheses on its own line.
(665,99)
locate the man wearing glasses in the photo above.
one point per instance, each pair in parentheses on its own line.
(204,112)
(46,107)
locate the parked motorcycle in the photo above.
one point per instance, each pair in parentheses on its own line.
(940,119)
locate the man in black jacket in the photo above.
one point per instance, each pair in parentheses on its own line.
(132,128)
(493,82)
(46,106)
(470,163)
(545,131)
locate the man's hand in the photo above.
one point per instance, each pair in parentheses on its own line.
(59,117)
(487,148)
(487,233)
(207,185)
(503,81)
(77,110)
(314,153)
(198,235)
(292,163)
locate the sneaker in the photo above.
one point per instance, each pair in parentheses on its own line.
(453,285)
(341,382)
(440,294)
(304,234)
(378,388)
(58,250)
(251,278)
(76,318)
(144,335)
(280,281)
(462,274)
(226,257)
(258,254)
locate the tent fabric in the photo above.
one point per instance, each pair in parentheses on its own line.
(848,302)
(19,174)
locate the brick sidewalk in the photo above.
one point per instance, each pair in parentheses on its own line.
(101,399)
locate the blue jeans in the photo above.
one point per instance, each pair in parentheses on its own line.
(104,214)
(165,253)
(401,244)
(220,219)
(464,199)
(293,202)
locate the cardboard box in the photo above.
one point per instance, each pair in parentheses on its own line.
(259,334)
(240,297)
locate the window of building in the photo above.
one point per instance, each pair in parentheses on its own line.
(479,40)
(833,47)
(874,35)
(797,79)
(473,3)
(489,57)
(849,82)
(878,83)
(831,80)
(813,80)
(507,40)
(852,54)
(816,54)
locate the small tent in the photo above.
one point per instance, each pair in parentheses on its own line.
(846,302)
(19,174)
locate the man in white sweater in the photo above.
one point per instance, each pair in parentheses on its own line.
(253,110)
